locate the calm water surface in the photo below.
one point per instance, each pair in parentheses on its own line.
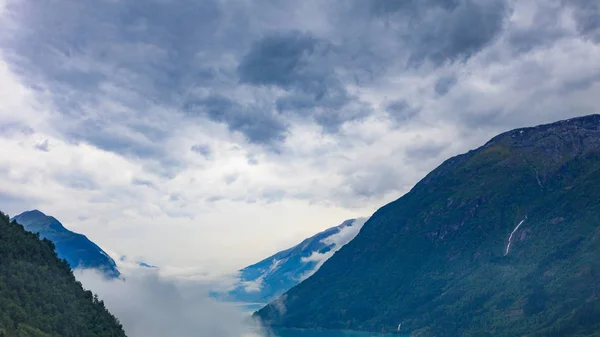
(328,333)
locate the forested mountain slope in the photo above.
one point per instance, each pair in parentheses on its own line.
(450,259)
(39,296)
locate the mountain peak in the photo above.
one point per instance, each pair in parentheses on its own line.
(76,248)
(35,213)
(587,122)
(592,120)
(575,127)
(347,223)
(36,221)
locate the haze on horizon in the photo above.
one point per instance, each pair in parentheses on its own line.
(211,134)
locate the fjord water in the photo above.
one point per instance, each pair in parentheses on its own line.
(326,333)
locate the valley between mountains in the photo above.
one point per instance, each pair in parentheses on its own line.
(503,240)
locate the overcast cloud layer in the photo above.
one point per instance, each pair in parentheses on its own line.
(213,133)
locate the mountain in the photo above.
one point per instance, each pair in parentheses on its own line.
(501,241)
(125,261)
(77,249)
(271,277)
(39,296)
(145,265)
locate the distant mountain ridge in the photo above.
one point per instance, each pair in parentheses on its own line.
(501,241)
(271,277)
(124,261)
(76,248)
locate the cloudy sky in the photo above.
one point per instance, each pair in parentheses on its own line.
(211,133)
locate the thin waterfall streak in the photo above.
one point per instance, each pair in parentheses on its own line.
(511,235)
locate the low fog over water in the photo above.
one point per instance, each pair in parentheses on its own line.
(150,305)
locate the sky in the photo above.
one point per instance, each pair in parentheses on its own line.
(207,135)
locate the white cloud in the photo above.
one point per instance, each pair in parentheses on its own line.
(257,284)
(150,305)
(337,241)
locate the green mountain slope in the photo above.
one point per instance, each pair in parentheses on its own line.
(436,259)
(39,296)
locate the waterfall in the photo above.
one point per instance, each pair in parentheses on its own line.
(511,236)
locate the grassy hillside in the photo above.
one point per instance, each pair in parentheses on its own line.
(39,296)
(436,259)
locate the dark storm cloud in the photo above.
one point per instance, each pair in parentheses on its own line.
(543,30)
(285,60)
(135,54)
(587,15)
(130,77)
(330,109)
(304,66)
(442,31)
(390,6)
(258,123)
(135,39)
(115,138)
(581,83)
(138,56)
(444,84)
(524,40)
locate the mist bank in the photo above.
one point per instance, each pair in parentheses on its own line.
(149,304)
